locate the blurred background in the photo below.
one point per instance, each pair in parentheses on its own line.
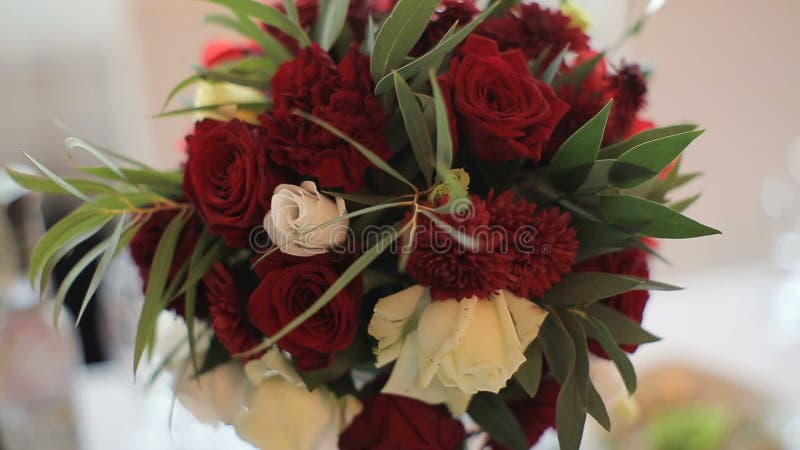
(728,365)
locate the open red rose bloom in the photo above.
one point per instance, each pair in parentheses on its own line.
(394,214)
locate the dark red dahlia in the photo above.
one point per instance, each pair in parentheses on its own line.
(143,250)
(542,242)
(632,304)
(289,286)
(454,271)
(535,29)
(447,14)
(341,95)
(536,414)
(227,303)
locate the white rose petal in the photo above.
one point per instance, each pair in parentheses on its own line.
(296,212)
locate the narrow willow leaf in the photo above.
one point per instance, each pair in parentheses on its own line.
(580,372)
(200,264)
(254,80)
(494,416)
(551,71)
(681,205)
(48,186)
(647,160)
(653,219)
(363,199)
(578,75)
(258,106)
(600,333)
(417,130)
(291,11)
(156,284)
(191,305)
(372,157)
(102,265)
(617,150)
(444,141)
(267,14)
(576,156)
(344,279)
(185,83)
(597,408)
(623,330)
(529,374)
(425,62)
(73,143)
(588,287)
(468,242)
(151,178)
(331,22)
(420,81)
(399,33)
(67,233)
(558,349)
(56,179)
(273,48)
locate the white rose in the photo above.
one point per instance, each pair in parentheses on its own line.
(456,348)
(295,216)
(283,415)
(228,95)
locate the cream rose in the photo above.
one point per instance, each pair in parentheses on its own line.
(295,217)
(446,351)
(283,415)
(228,96)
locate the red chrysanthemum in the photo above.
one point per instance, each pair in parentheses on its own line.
(453,270)
(143,249)
(227,303)
(447,14)
(535,29)
(341,95)
(542,243)
(632,304)
(537,414)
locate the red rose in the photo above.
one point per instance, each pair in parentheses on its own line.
(535,29)
(229,179)
(220,52)
(542,242)
(227,300)
(143,250)
(389,422)
(504,112)
(447,14)
(536,414)
(632,304)
(341,95)
(289,286)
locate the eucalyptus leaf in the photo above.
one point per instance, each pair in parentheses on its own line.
(623,330)
(399,33)
(601,333)
(417,130)
(647,160)
(597,408)
(570,416)
(494,416)
(616,150)
(529,374)
(653,219)
(331,22)
(557,346)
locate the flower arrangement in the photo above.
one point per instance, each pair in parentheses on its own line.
(393,214)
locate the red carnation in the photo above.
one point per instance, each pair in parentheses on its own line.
(221,51)
(629,262)
(630,91)
(447,14)
(535,29)
(341,95)
(543,244)
(502,111)
(390,422)
(536,414)
(450,269)
(289,286)
(227,300)
(229,179)
(143,250)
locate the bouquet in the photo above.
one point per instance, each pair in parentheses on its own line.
(392,216)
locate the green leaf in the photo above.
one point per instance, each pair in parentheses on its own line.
(580,373)
(358,266)
(168,184)
(558,348)
(617,150)
(343,361)
(416,128)
(48,186)
(647,160)
(331,22)
(273,48)
(551,71)
(599,332)
(399,33)
(466,241)
(73,143)
(623,330)
(570,416)
(681,205)
(578,75)
(156,284)
(56,179)
(494,416)
(268,15)
(597,179)
(653,219)
(597,408)
(574,159)
(437,53)
(529,374)
(444,141)
(185,83)
(291,11)
(66,234)
(363,199)
(372,157)
(111,250)
(258,106)
(588,287)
